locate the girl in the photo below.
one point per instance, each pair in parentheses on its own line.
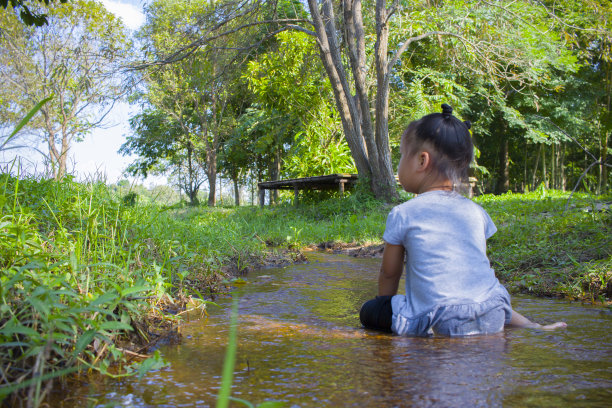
(451,289)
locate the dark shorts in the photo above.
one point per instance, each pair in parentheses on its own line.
(482,318)
(377,314)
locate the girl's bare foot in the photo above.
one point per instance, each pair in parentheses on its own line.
(518,320)
(553,326)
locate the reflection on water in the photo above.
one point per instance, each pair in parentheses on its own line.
(300,341)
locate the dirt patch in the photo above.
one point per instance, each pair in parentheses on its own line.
(355,250)
(284,258)
(150,333)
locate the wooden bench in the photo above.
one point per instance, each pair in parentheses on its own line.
(328,182)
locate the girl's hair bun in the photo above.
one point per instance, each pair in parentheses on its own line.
(468,124)
(447,111)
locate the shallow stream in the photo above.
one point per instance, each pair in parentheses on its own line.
(300,341)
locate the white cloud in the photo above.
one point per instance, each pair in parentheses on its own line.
(132,16)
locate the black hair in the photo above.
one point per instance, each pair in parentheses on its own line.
(450,138)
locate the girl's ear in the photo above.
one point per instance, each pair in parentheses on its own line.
(424,161)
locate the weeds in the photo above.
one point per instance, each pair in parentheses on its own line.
(80,273)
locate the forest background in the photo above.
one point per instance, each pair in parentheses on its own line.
(250,91)
(254,91)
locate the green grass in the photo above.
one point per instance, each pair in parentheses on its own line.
(541,247)
(82,273)
(84,270)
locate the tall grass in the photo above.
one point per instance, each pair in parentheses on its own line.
(227,378)
(80,272)
(84,270)
(543,248)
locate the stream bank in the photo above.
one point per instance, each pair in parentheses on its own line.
(300,343)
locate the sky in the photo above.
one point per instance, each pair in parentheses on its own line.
(97,153)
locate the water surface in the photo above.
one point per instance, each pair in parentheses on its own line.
(300,341)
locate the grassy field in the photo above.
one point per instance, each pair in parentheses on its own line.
(89,275)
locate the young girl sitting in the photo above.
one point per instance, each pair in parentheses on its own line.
(451,289)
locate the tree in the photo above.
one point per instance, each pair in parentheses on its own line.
(497,42)
(195,91)
(75,59)
(536,132)
(288,83)
(164,145)
(496,60)
(484,39)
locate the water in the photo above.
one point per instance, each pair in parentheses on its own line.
(300,341)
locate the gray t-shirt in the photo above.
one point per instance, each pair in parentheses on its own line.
(444,235)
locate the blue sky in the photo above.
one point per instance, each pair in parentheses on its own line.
(98,152)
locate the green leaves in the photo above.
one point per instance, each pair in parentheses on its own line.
(134,289)
(25,121)
(68,288)
(84,340)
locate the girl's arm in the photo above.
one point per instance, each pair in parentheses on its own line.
(518,320)
(390,270)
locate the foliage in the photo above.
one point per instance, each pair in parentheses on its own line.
(193,95)
(65,294)
(28,16)
(528,75)
(23,122)
(542,248)
(296,99)
(164,146)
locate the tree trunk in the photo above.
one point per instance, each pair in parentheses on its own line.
(503,173)
(605,134)
(236,191)
(370,151)
(553,167)
(63,158)
(544,171)
(562,167)
(212,182)
(535,169)
(385,177)
(211,174)
(603,169)
(54,154)
(524,184)
(253,184)
(191,184)
(330,57)
(275,175)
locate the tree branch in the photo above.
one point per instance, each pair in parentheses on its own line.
(584,173)
(190,48)
(391,10)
